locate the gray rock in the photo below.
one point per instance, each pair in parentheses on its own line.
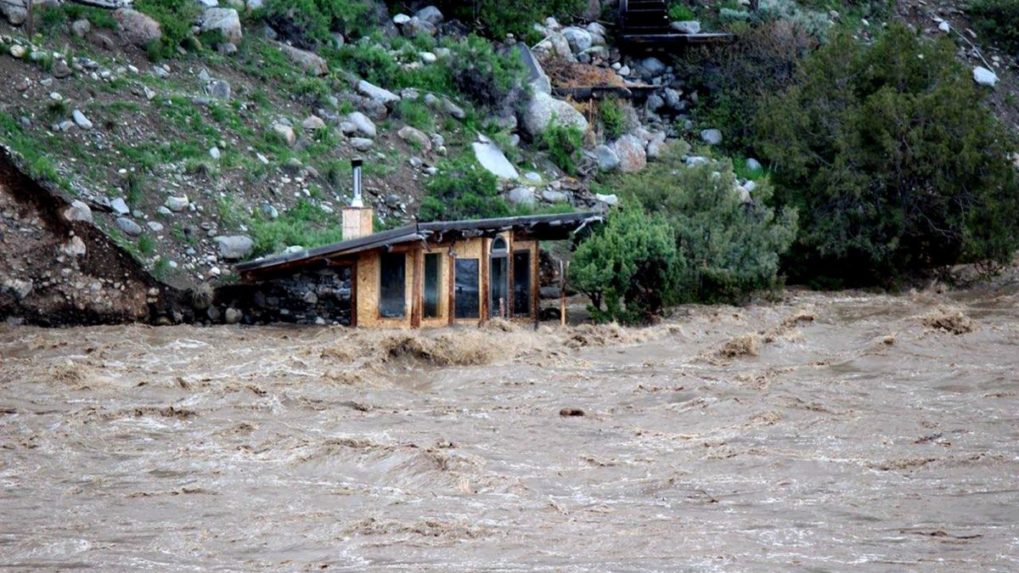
(362,124)
(985,77)
(609,200)
(427,57)
(377,94)
(309,61)
(61,69)
(234,247)
(711,136)
(694,160)
(119,206)
(285,132)
(493,160)
(606,158)
(269,211)
(233,315)
(655,102)
(754,165)
(430,14)
(578,39)
(418,27)
(138,28)
(553,196)
(521,196)
(674,99)
(129,227)
(215,153)
(687,27)
(361,143)
(226,20)
(533,177)
(219,89)
(155,226)
(177,204)
(78,211)
(15,11)
(416,137)
(75,247)
(80,120)
(631,152)
(543,109)
(313,123)
(656,145)
(652,66)
(452,109)
(401,19)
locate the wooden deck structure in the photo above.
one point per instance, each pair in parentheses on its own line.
(644,24)
(437,273)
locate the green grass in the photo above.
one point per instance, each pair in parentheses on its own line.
(146,245)
(305,225)
(416,114)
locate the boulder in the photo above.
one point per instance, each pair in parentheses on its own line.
(285,132)
(430,14)
(15,11)
(555,46)
(376,94)
(985,77)
(233,315)
(138,28)
(415,137)
(362,124)
(521,196)
(578,39)
(155,226)
(493,160)
(606,158)
(609,200)
(234,247)
(656,145)
(119,206)
(418,27)
(401,19)
(711,136)
(78,211)
(361,143)
(177,204)
(652,66)
(129,227)
(313,123)
(687,27)
(631,152)
(543,109)
(226,20)
(309,61)
(754,165)
(219,89)
(80,120)
(553,196)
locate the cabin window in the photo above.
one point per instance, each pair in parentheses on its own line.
(433,270)
(467,290)
(393,285)
(498,301)
(522,283)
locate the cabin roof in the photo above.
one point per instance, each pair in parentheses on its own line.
(541,227)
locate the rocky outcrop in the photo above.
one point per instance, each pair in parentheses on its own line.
(543,110)
(138,28)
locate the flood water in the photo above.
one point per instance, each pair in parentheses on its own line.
(826,432)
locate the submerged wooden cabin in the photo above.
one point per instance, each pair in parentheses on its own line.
(432,274)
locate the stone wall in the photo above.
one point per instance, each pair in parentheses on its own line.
(310,297)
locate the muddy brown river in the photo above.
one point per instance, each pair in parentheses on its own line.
(826,432)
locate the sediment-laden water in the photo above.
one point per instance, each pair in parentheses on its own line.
(828,432)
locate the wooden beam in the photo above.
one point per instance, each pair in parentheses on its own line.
(451,288)
(416,310)
(353,295)
(485,270)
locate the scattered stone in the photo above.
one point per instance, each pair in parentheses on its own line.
(430,14)
(129,227)
(78,211)
(361,143)
(80,120)
(15,12)
(177,204)
(309,61)
(119,206)
(233,315)
(401,19)
(985,77)
(17,51)
(140,29)
(234,247)
(75,247)
(155,226)
(418,27)
(269,211)
(313,123)
(427,57)
(416,137)
(606,158)
(61,70)
(219,89)
(631,152)
(578,38)
(652,66)
(553,196)
(945,27)
(363,124)
(226,20)
(711,136)
(543,109)
(610,200)
(377,94)
(521,196)
(285,132)
(754,165)
(493,160)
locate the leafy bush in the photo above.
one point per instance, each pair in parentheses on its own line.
(563,143)
(731,247)
(679,12)
(997,19)
(310,23)
(629,267)
(369,60)
(415,114)
(483,75)
(499,18)
(613,118)
(893,165)
(175,18)
(462,189)
(305,225)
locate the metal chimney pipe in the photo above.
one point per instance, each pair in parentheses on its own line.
(355,165)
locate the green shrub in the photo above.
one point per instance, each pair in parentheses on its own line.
(732,248)
(304,224)
(679,12)
(310,23)
(462,189)
(629,267)
(891,161)
(563,143)
(613,118)
(498,18)
(481,74)
(146,245)
(369,60)
(997,19)
(98,17)
(416,114)
(175,18)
